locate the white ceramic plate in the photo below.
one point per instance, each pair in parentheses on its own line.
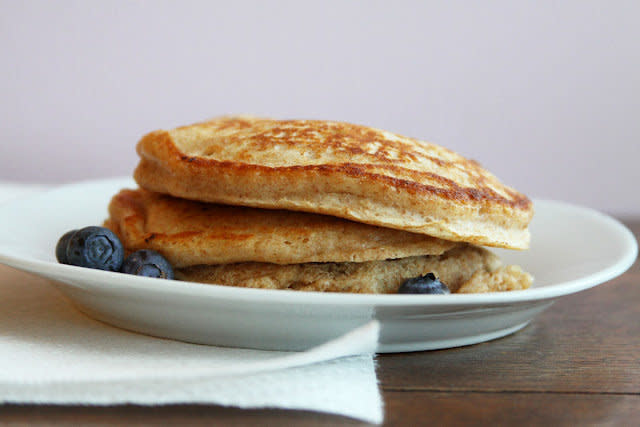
(573,248)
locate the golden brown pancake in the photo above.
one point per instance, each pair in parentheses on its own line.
(272,249)
(190,233)
(344,170)
(465,269)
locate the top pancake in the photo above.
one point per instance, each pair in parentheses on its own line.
(339,169)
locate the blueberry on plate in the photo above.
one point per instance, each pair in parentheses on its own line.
(147,263)
(95,247)
(427,284)
(61,247)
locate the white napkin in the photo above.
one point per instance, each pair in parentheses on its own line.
(51,353)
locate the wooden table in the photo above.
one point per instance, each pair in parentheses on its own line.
(578,363)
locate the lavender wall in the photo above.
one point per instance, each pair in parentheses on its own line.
(544,93)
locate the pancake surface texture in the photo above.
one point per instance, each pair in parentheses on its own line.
(467,269)
(339,169)
(190,233)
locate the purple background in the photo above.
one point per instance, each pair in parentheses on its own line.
(546,94)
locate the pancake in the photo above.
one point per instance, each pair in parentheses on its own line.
(190,233)
(344,170)
(465,269)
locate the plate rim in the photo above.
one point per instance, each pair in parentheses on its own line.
(128,282)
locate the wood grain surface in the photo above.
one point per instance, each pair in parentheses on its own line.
(578,363)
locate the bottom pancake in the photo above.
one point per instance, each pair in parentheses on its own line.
(466,269)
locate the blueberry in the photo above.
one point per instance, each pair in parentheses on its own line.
(427,284)
(95,247)
(61,247)
(147,263)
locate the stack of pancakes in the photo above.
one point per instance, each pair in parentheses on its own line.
(318,206)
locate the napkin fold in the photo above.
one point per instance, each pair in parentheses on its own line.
(51,353)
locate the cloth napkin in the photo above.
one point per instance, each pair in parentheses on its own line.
(51,353)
